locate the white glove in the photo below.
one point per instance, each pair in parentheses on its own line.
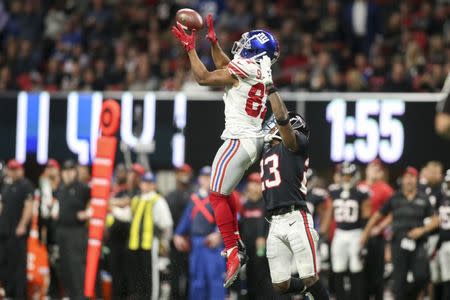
(266,70)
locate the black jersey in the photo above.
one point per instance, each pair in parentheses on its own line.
(407,214)
(443,208)
(283,174)
(315,197)
(347,206)
(433,193)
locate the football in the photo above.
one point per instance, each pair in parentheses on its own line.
(189,19)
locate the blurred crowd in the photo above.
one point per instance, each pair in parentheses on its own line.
(168,247)
(348,45)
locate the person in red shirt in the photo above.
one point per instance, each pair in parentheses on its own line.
(380,192)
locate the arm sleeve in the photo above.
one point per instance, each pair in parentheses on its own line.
(387,207)
(161,214)
(184,225)
(302,142)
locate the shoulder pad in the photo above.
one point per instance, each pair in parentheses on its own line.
(244,68)
(319,192)
(363,189)
(333,187)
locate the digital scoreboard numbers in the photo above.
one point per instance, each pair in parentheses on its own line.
(374,131)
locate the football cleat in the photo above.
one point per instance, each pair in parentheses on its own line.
(233,267)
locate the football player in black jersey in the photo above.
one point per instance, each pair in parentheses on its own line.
(351,206)
(430,183)
(443,256)
(283,166)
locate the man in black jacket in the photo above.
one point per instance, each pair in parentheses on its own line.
(15,215)
(71,231)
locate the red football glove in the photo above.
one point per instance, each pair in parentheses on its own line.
(188,41)
(211,36)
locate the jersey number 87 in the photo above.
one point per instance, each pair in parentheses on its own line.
(254,104)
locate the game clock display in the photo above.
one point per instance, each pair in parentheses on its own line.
(375,130)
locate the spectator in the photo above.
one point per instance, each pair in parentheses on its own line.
(361,24)
(197,233)
(129,34)
(71,231)
(398,80)
(178,200)
(16,206)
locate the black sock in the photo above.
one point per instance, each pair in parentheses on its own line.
(318,291)
(296,285)
(339,286)
(357,283)
(445,290)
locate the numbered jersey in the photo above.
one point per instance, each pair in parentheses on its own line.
(347,206)
(443,206)
(245,104)
(283,175)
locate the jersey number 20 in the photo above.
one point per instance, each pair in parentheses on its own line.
(254,104)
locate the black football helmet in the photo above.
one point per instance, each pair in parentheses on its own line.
(350,169)
(446,184)
(297,123)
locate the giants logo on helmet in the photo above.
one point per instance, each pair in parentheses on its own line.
(262,38)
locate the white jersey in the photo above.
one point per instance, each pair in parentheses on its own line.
(245,104)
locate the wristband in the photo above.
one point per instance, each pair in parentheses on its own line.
(282,122)
(272,89)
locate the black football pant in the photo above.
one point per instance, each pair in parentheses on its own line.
(13,262)
(259,285)
(357,286)
(374,268)
(409,261)
(119,269)
(179,270)
(140,274)
(72,243)
(445,290)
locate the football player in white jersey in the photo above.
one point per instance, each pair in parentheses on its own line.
(245,107)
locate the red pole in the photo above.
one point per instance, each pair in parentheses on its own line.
(102,171)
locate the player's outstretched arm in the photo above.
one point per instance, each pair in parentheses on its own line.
(220,77)
(219,57)
(278,107)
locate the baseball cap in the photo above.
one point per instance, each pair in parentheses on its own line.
(138,168)
(254,177)
(53,163)
(205,171)
(184,168)
(411,171)
(69,164)
(148,177)
(14,164)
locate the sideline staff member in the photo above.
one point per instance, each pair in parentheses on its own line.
(412,218)
(71,232)
(16,208)
(151,220)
